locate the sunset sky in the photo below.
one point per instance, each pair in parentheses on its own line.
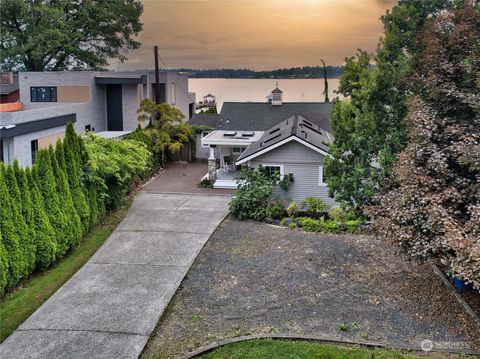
(259,34)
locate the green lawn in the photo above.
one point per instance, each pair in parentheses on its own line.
(276,349)
(19,304)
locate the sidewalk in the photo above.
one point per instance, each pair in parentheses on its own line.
(109,308)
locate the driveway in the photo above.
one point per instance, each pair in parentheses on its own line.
(183,177)
(111,305)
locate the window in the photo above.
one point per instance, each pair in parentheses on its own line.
(270,170)
(238,150)
(322,179)
(173,95)
(88,128)
(43,94)
(204,133)
(34,149)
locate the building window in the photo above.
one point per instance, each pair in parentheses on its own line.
(34,149)
(205,133)
(173,95)
(238,150)
(270,170)
(43,94)
(322,179)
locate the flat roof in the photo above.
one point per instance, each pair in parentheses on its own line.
(112,134)
(232,138)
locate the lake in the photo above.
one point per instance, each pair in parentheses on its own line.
(256,90)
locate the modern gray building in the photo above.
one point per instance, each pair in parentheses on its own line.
(93,101)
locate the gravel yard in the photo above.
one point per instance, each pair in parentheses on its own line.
(253,278)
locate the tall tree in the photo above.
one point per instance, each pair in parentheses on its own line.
(431,205)
(369,127)
(39,35)
(3,267)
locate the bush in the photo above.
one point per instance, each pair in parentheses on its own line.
(330,226)
(275,209)
(292,209)
(251,199)
(353,225)
(292,226)
(337,213)
(310,224)
(313,205)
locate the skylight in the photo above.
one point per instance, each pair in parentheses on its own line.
(248,134)
(230,133)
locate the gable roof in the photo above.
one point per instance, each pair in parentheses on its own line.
(295,128)
(260,116)
(205,119)
(277,90)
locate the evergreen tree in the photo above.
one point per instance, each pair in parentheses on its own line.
(10,238)
(28,215)
(43,175)
(73,171)
(44,233)
(3,267)
(19,222)
(73,224)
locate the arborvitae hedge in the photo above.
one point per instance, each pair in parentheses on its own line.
(45,241)
(9,235)
(3,267)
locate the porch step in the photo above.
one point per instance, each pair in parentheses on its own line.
(225,184)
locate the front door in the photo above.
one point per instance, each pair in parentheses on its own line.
(114,108)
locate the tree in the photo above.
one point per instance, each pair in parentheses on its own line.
(43,176)
(73,226)
(10,238)
(26,205)
(369,128)
(3,267)
(44,233)
(431,203)
(167,127)
(61,35)
(325,80)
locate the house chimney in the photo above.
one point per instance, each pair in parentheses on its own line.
(7,78)
(276,97)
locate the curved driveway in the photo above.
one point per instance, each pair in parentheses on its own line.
(111,305)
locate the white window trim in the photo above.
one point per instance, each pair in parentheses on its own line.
(204,134)
(282,168)
(320,177)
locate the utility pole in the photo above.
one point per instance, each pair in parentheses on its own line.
(325,92)
(157,77)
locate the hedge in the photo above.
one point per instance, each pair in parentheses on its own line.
(45,210)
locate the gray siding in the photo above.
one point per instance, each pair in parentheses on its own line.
(202,153)
(303,163)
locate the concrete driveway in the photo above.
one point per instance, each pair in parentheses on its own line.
(109,308)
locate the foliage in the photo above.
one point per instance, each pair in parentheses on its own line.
(251,199)
(66,35)
(114,165)
(431,204)
(353,225)
(313,205)
(275,208)
(292,209)
(337,213)
(310,224)
(368,127)
(167,128)
(286,181)
(212,109)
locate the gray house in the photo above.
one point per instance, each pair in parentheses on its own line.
(286,137)
(93,101)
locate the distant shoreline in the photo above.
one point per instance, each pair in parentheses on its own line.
(263,78)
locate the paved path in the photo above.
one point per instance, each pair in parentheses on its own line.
(111,305)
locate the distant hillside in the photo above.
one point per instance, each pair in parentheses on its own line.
(293,72)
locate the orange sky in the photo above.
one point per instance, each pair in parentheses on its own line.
(261,34)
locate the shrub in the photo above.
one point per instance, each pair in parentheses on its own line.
(353,225)
(310,224)
(3,267)
(251,199)
(292,209)
(313,205)
(330,226)
(275,209)
(292,225)
(337,213)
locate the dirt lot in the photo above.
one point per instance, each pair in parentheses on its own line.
(255,278)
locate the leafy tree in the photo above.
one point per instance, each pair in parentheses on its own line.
(431,203)
(369,129)
(73,171)
(10,238)
(25,202)
(45,242)
(73,226)
(167,127)
(24,241)
(66,35)
(43,175)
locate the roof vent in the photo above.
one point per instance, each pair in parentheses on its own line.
(230,133)
(272,138)
(273,131)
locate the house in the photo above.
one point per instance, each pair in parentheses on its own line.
(286,137)
(93,101)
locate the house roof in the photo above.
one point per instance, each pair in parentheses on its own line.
(7,89)
(205,119)
(295,128)
(260,116)
(277,90)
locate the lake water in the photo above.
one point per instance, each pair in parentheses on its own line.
(256,90)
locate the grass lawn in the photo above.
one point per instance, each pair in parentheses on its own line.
(276,349)
(19,304)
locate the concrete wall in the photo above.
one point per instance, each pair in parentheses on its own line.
(303,163)
(130,104)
